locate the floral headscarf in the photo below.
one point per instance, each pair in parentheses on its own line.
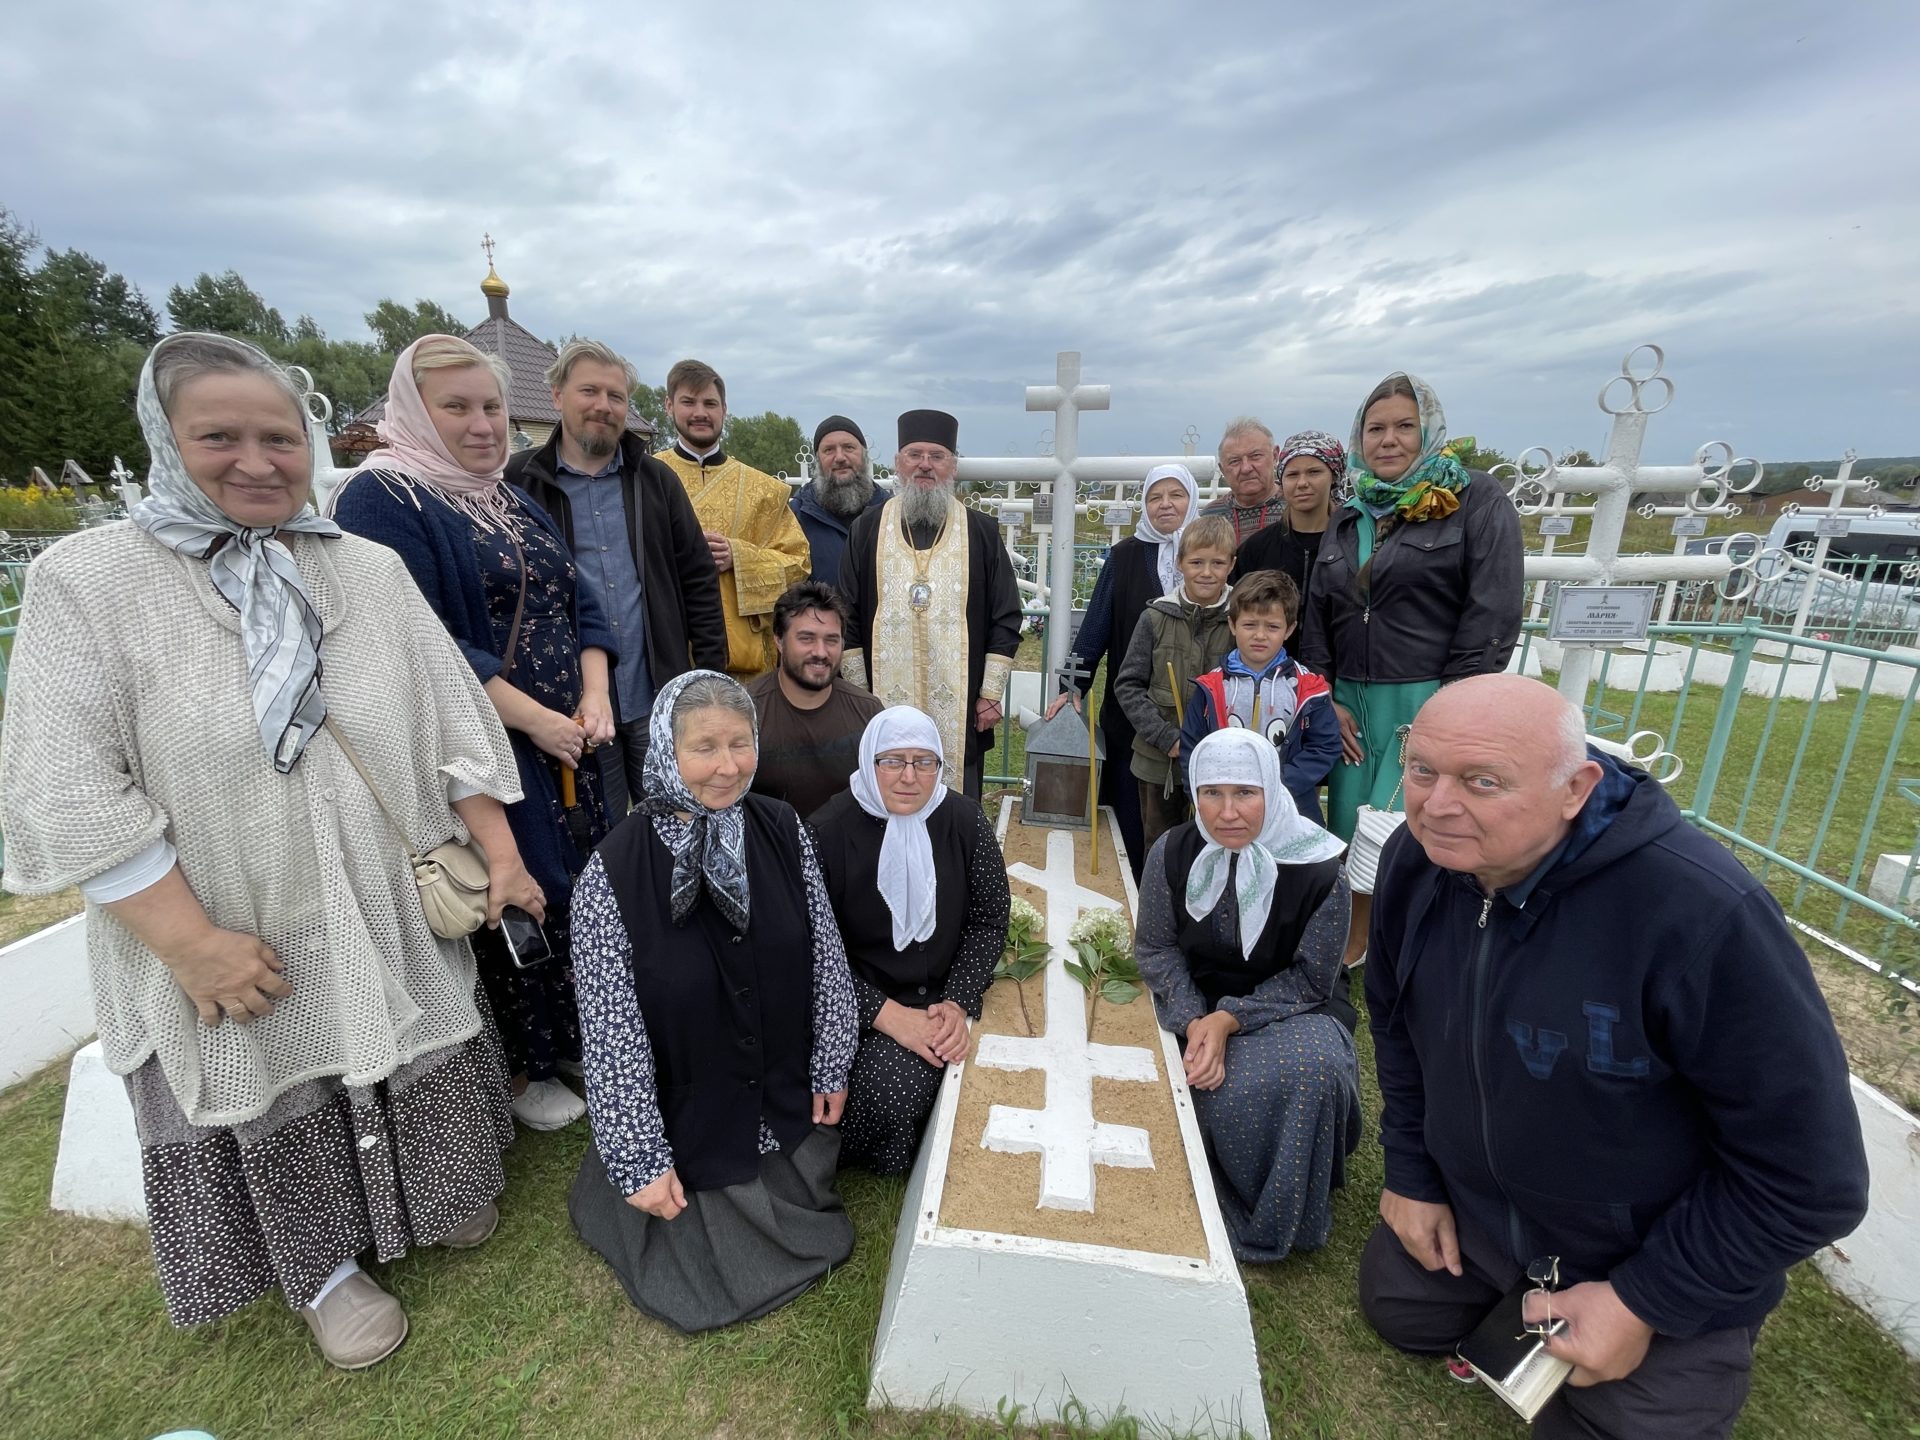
(710,848)
(1316,445)
(279,627)
(1430,488)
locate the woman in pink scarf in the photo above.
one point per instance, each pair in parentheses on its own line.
(494,567)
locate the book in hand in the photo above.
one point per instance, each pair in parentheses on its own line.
(1511,1360)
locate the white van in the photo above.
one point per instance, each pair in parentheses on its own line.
(1872,573)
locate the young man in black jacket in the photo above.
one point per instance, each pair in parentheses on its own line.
(634,539)
(1597,1041)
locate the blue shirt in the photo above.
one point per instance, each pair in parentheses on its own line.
(606,563)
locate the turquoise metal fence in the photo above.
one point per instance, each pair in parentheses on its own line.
(1802,753)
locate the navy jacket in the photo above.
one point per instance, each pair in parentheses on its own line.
(826,532)
(436,542)
(1623,1061)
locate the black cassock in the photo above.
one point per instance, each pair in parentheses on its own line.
(892,1090)
(993,601)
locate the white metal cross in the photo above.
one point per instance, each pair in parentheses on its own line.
(1069,1140)
(1061,474)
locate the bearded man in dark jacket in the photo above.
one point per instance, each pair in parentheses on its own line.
(1596,1041)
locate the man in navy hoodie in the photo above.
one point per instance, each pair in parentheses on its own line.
(1596,1041)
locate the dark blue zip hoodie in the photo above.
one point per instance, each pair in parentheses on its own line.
(1623,1061)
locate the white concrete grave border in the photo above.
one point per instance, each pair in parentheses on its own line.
(973,1319)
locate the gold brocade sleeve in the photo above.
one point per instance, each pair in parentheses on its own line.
(853,668)
(771,555)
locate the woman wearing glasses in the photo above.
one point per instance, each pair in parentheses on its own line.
(922,960)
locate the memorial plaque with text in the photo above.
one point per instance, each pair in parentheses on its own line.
(1601,614)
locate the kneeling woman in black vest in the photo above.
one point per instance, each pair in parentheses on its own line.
(1243,917)
(718,1026)
(923,958)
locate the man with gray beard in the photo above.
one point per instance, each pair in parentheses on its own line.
(838,494)
(936,612)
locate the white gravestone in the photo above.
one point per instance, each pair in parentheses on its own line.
(97,1175)
(978,1320)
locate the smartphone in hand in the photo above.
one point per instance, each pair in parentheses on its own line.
(526,942)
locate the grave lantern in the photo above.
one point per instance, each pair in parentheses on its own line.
(1059,784)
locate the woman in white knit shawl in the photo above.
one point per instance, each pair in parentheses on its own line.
(311,1076)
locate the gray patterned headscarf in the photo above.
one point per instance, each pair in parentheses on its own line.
(711,847)
(252,568)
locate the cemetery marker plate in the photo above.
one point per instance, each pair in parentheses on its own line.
(1556,525)
(1689,524)
(1601,614)
(1832,529)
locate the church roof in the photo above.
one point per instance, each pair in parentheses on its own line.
(527,357)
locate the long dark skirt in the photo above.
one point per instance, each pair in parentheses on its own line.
(733,1254)
(329,1172)
(890,1093)
(1279,1130)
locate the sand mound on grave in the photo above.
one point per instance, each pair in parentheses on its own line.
(1152,1210)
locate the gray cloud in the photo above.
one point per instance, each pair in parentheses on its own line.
(864,207)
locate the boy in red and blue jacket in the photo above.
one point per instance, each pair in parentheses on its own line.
(1260,687)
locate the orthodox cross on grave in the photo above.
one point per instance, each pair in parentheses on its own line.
(1069,1141)
(1833,520)
(1061,473)
(1639,392)
(124,484)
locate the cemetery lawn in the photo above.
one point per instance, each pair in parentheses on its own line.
(21,915)
(530,1336)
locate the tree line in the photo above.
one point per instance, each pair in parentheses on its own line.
(73,335)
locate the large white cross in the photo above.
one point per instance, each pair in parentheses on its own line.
(1069,1140)
(1062,473)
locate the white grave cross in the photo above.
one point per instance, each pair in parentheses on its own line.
(1069,1140)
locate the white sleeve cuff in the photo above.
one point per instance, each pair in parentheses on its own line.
(130,877)
(460,790)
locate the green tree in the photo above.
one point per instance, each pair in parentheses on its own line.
(651,402)
(1482,457)
(227,305)
(84,299)
(1576,459)
(767,442)
(72,336)
(395,327)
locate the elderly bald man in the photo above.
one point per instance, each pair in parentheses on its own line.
(1598,1042)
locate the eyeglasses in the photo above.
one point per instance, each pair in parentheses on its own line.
(1544,1274)
(925,765)
(933,456)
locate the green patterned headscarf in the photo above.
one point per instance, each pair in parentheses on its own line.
(1430,488)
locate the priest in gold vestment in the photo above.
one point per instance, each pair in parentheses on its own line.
(936,612)
(757,543)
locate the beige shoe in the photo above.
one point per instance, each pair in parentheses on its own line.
(358,1324)
(475,1230)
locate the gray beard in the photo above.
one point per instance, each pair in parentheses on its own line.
(594,446)
(924,508)
(845,498)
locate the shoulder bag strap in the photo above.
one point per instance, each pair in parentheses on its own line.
(353,759)
(519,609)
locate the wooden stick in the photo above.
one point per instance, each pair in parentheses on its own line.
(1173,684)
(1093,793)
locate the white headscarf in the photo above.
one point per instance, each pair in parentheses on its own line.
(251,567)
(907,880)
(1241,757)
(1144,532)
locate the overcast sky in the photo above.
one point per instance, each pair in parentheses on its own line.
(865,208)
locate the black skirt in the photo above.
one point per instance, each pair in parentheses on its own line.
(733,1254)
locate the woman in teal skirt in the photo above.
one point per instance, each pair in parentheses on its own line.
(1417,583)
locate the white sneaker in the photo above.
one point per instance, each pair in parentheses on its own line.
(547,1105)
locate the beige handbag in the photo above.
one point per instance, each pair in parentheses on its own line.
(1372,828)
(452,877)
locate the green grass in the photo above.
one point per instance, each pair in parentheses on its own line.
(21,915)
(530,1336)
